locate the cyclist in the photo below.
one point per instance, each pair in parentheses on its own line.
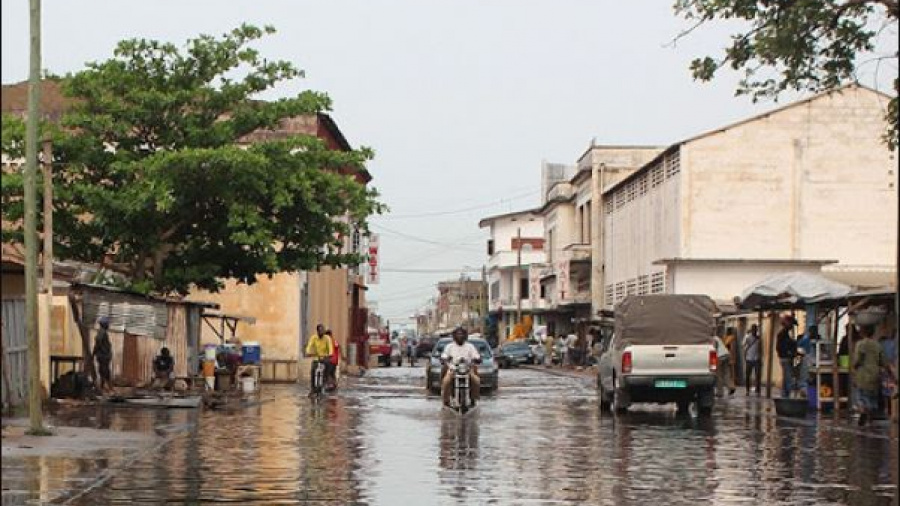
(319,347)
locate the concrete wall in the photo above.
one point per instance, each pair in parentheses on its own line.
(811,181)
(638,233)
(560,220)
(504,230)
(724,281)
(274,302)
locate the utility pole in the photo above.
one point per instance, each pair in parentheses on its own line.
(519,277)
(465,300)
(30,198)
(483,306)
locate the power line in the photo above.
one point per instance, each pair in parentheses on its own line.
(424,271)
(382,228)
(461,210)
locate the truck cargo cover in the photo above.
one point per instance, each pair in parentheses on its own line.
(665,319)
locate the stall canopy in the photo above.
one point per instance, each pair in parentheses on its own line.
(792,289)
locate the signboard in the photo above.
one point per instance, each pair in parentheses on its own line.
(534,284)
(374,273)
(562,280)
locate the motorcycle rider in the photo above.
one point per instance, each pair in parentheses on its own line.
(319,347)
(460,349)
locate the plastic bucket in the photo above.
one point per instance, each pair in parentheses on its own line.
(248,384)
(209,368)
(209,351)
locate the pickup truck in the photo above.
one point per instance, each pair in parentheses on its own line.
(662,351)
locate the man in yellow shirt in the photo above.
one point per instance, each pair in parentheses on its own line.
(319,347)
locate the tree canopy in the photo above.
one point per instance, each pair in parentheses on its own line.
(153,172)
(812,45)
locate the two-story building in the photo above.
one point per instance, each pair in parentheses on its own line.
(516,256)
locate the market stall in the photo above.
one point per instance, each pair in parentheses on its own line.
(820,298)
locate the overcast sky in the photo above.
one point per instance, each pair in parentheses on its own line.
(461,100)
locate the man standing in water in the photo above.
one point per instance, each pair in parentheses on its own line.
(103,354)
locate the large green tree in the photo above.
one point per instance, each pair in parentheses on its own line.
(150,169)
(810,45)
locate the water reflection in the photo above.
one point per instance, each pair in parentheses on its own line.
(541,440)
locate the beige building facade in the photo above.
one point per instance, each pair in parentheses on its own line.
(803,187)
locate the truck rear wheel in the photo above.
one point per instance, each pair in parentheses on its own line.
(620,398)
(706,400)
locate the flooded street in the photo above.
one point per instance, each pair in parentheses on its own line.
(541,439)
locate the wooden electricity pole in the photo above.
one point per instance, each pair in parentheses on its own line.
(30,197)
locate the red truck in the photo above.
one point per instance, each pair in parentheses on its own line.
(380,346)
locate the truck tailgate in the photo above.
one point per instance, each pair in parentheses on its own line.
(670,360)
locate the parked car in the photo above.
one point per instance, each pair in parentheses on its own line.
(426,344)
(515,353)
(487,369)
(662,351)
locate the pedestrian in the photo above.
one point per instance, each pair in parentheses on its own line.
(572,349)
(103,354)
(724,374)
(331,365)
(411,351)
(868,364)
(561,350)
(786,347)
(753,359)
(548,350)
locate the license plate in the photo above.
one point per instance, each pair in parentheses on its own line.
(667,383)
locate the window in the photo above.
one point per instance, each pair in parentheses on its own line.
(657,282)
(643,285)
(631,287)
(656,175)
(587,224)
(608,204)
(673,164)
(610,293)
(495,290)
(490,247)
(523,288)
(543,291)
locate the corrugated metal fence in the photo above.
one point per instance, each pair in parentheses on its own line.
(15,349)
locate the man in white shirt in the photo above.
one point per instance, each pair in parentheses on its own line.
(460,349)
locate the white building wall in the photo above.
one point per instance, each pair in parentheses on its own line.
(812,181)
(724,281)
(639,232)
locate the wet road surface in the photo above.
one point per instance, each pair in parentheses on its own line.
(541,439)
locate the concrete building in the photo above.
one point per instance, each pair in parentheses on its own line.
(806,187)
(516,257)
(571,210)
(288,306)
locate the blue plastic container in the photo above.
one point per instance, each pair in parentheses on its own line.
(251,353)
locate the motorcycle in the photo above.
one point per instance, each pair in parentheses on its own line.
(461,402)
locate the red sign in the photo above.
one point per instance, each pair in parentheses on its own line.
(374,269)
